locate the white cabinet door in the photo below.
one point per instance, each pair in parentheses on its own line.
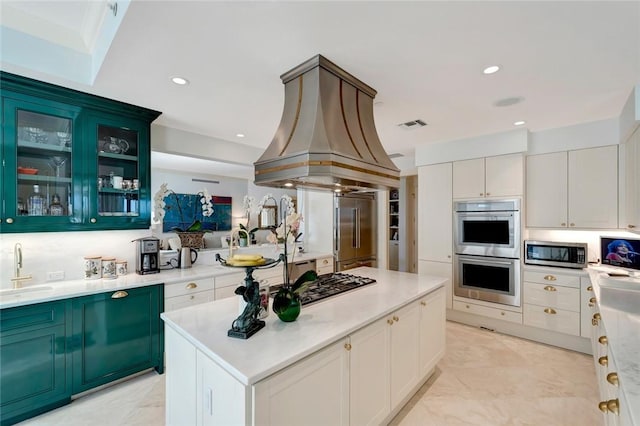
(439,269)
(468,178)
(435,213)
(369,372)
(314,391)
(220,398)
(593,187)
(504,175)
(546,205)
(432,330)
(180,380)
(404,352)
(631,219)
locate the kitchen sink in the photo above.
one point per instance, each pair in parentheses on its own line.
(22,290)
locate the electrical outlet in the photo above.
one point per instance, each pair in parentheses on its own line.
(55,276)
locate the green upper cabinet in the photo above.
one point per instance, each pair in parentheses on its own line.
(72,161)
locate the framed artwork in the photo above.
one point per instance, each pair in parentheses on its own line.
(181,210)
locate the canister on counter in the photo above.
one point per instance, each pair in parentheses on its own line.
(92,267)
(121,267)
(109,268)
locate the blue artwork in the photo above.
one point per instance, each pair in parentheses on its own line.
(181,210)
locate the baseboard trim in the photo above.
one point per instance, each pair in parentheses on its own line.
(561,340)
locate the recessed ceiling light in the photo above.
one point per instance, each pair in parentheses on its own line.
(180,81)
(519,123)
(337,190)
(240,135)
(492,69)
(288,184)
(337,184)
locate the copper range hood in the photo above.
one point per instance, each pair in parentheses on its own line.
(327,137)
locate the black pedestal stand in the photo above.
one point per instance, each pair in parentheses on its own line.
(247,324)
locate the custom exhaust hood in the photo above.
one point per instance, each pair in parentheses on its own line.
(327,137)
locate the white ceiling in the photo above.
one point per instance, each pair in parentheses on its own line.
(568,62)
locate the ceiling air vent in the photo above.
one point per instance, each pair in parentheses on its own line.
(396,155)
(415,124)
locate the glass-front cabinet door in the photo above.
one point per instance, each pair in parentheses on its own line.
(122,171)
(39,153)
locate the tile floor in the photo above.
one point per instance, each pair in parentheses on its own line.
(485,379)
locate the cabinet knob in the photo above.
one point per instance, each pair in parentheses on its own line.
(390,321)
(563,224)
(572,224)
(347,346)
(631,226)
(597,316)
(448,256)
(614,406)
(602,406)
(119,294)
(591,305)
(481,194)
(613,378)
(550,288)
(192,297)
(191,286)
(590,288)
(592,300)
(550,311)
(396,319)
(93,220)
(423,303)
(325,262)
(9,220)
(549,278)
(488,194)
(466,306)
(603,340)
(603,360)
(502,313)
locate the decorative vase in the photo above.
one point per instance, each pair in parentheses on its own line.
(286,305)
(191,239)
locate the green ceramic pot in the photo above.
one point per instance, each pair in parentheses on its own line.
(286,305)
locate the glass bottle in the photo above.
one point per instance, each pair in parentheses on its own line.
(56,209)
(36,202)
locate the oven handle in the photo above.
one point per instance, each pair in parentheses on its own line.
(493,215)
(487,260)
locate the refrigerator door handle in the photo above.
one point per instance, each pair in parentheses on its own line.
(357,228)
(336,221)
(354,228)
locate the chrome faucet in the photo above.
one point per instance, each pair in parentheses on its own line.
(17,262)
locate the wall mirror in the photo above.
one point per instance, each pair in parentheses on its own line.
(268,216)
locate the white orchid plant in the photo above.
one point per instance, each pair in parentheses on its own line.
(159,207)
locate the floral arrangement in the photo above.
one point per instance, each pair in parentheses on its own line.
(248,207)
(160,205)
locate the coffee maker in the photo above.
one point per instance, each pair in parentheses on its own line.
(147,250)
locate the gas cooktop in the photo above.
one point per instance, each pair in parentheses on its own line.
(330,285)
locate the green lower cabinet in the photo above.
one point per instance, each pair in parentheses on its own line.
(35,370)
(116,334)
(50,351)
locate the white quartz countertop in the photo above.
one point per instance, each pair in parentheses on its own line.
(619,305)
(280,344)
(46,292)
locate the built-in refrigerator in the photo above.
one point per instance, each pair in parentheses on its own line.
(355,230)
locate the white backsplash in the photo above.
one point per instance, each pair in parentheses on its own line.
(45,252)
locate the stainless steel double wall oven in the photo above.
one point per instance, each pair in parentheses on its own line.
(487,247)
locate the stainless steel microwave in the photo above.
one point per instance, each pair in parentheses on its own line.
(549,253)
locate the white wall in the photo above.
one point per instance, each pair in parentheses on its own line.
(579,136)
(464,149)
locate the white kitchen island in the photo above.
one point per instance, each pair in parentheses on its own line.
(352,359)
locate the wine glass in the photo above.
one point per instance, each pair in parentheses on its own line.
(58,161)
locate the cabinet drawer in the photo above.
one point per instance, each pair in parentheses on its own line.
(188,287)
(29,317)
(554,296)
(273,276)
(231,280)
(486,311)
(224,292)
(561,321)
(179,302)
(552,278)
